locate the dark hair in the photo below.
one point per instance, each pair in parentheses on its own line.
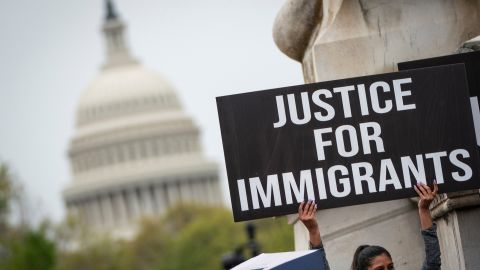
(364,255)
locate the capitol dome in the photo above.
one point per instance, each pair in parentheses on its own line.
(125,90)
(135,152)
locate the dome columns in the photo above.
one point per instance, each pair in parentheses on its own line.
(122,208)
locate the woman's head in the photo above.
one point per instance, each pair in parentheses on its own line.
(372,258)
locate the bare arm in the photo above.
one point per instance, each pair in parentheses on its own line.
(306,214)
(426,197)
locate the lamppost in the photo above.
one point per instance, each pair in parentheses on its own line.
(252,244)
(234,258)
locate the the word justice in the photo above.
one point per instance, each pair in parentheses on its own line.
(321,96)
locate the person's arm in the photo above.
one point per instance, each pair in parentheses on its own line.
(426,197)
(429,229)
(306,214)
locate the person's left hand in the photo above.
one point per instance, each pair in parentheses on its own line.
(426,194)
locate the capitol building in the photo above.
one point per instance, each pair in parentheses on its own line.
(135,152)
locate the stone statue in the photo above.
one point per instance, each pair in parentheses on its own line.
(336,39)
(344,38)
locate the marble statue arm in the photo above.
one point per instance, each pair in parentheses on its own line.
(294,26)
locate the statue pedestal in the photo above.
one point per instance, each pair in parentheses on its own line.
(458,217)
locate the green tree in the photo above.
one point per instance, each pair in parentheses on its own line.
(275,234)
(150,248)
(102,254)
(5,195)
(21,247)
(204,233)
(186,237)
(200,243)
(31,251)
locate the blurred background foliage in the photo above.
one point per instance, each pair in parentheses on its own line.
(186,237)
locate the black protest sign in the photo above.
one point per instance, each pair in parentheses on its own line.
(348,142)
(472,65)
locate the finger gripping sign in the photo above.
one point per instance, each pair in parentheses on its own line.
(348,142)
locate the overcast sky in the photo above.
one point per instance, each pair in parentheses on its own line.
(51,49)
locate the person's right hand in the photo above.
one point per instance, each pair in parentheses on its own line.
(306,213)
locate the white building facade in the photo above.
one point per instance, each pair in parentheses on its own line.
(135,152)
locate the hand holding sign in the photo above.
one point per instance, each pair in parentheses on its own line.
(426,196)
